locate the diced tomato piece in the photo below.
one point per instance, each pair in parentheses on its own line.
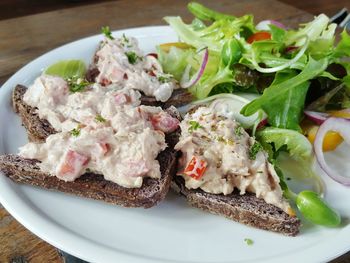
(105,82)
(72,165)
(196,168)
(151,73)
(121,99)
(258,36)
(103,148)
(164,122)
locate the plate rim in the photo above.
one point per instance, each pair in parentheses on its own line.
(85,250)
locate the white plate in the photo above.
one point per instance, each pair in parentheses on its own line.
(170,232)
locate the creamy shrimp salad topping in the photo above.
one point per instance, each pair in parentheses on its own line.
(218,156)
(120,61)
(100,129)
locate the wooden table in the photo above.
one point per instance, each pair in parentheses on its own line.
(23,39)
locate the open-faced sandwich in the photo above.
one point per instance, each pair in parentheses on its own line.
(95,139)
(225,171)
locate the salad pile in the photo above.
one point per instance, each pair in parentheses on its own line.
(300,78)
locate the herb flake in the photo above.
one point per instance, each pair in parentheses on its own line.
(76,131)
(226,141)
(254,149)
(77,84)
(194,125)
(132,57)
(248,241)
(99,118)
(164,78)
(125,39)
(239,131)
(107,32)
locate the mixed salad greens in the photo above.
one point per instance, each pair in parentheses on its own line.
(300,80)
(301,77)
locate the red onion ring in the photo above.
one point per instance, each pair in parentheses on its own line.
(155,55)
(185,83)
(342,126)
(321,117)
(262,123)
(264,25)
(316,117)
(291,49)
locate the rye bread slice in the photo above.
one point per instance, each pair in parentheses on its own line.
(246,209)
(92,185)
(89,185)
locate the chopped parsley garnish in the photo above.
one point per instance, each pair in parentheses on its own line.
(254,149)
(164,78)
(132,57)
(125,39)
(77,84)
(75,132)
(248,241)
(239,131)
(107,32)
(194,125)
(99,118)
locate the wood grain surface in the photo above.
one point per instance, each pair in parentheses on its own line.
(23,39)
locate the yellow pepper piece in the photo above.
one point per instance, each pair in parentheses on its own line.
(340,114)
(166,46)
(331,140)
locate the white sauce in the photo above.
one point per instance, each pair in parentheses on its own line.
(225,148)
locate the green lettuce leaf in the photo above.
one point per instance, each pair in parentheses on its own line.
(213,36)
(203,13)
(297,145)
(319,28)
(343,47)
(175,61)
(278,34)
(292,153)
(283,101)
(288,110)
(208,81)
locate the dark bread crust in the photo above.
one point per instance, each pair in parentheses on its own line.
(179,97)
(89,185)
(38,129)
(246,209)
